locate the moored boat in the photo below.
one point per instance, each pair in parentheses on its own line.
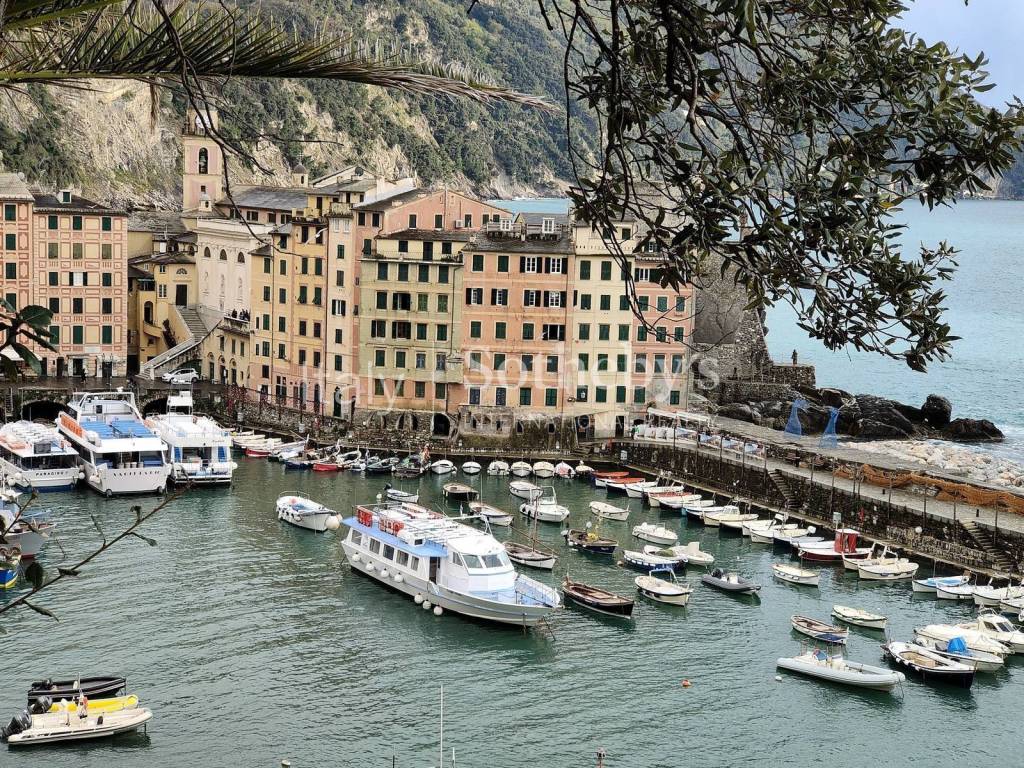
(835,669)
(545,507)
(843,546)
(957,650)
(942,634)
(819,630)
(583,470)
(663,590)
(305,513)
(491,514)
(99,687)
(530,556)
(524,489)
(198,448)
(396,494)
(59,727)
(543,469)
(956,592)
(600,479)
(648,561)
(609,511)
(729,581)
(692,554)
(10,567)
(471,468)
(898,569)
(997,627)
(458,492)
(929,585)
(382,465)
(597,599)
(35,456)
(794,574)
(521,468)
(858,618)
(498,467)
(442,467)
(656,534)
(26,532)
(930,666)
(562,469)
(589,541)
(989,596)
(619,485)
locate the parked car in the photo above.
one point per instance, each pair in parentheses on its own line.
(181,376)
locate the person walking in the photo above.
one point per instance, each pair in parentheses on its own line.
(794,357)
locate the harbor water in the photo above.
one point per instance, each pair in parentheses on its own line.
(252,641)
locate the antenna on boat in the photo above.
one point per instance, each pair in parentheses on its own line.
(441,747)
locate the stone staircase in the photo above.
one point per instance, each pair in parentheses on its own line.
(983,539)
(193,321)
(179,353)
(786,489)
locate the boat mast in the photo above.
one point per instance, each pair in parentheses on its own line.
(441,747)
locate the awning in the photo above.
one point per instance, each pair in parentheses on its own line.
(697,418)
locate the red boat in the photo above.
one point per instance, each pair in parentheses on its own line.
(845,544)
(600,478)
(325,466)
(257,453)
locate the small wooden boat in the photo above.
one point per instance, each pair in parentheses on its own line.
(819,630)
(326,465)
(459,492)
(684,503)
(524,489)
(731,514)
(395,494)
(835,669)
(789,537)
(670,499)
(728,581)
(957,650)
(442,467)
(562,469)
(928,665)
(664,590)
(521,469)
(492,515)
(608,511)
(297,463)
(413,465)
(929,585)
(588,541)
(597,599)
(692,554)
(545,507)
(381,466)
(529,556)
(544,469)
(583,470)
(656,534)
(471,468)
(93,688)
(989,596)
(794,574)
(257,453)
(498,467)
(305,513)
(601,478)
(618,485)
(858,618)
(649,561)
(843,547)
(57,727)
(893,569)
(956,592)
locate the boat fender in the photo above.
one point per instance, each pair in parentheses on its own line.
(438,610)
(418,599)
(333,523)
(81,475)
(427,605)
(399,578)
(369,567)
(384,573)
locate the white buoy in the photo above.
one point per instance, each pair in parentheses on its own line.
(355,557)
(399,578)
(369,567)
(332,523)
(778,678)
(438,610)
(378,497)
(418,599)
(427,605)
(384,573)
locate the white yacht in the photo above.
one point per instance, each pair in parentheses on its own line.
(36,457)
(198,448)
(444,564)
(116,450)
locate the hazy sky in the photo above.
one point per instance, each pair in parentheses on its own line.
(992,26)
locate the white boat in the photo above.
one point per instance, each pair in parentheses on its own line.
(396,494)
(791,536)
(671,553)
(524,489)
(835,669)
(671,499)
(545,507)
(498,467)
(988,596)
(198,448)
(637,490)
(929,585)
(442,467)
(929,665)
(976,641)
(713,516)
(685,502)
(648,561)
(853,563)
(957,650)
(963,591)
(471,468)
(35,456)
(521,469)
(544,469)
(530,556)
(306,513)
(858,618)
(608,511)
(444,564)
(794,574)
(765,534)
(668,590)
(583,470)
(732,521)
(491,514)
(29,531)
(1014,605)
(996,627)
(898,569)
(842,547)
(117,452)
(563,469)
(58,727)
(692,554)
(656,534)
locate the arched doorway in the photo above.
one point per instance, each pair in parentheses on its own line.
(441,425)
(41,410)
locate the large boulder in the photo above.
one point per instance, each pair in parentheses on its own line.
(937,411)
(879,430)
(881,410)
(916,415)
(741,412)
(972,430)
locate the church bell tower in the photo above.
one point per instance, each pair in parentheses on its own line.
(203,162)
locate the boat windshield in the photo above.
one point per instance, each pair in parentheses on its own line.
(480,562)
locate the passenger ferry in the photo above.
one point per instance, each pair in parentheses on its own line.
(117,452)
(35,456)
(198,448)
(444,564)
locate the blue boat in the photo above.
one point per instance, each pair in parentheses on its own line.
(929,585)
(10,563)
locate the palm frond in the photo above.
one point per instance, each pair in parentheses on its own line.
(22,14)
(202,42)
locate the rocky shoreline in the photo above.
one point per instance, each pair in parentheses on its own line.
(866,417)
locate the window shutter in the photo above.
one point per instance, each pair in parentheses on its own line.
(563,298)
(469,295)
(546,302)
(547,265)
(494,296)
(522,263)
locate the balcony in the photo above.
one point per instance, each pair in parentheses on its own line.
(237,322)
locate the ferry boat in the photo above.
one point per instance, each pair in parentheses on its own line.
(36,457)
(444,564)
(116,450)
(198,448)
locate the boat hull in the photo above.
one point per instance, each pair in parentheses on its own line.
(51,728)
(872,678)
(616,611)
(127,481)
(961,678)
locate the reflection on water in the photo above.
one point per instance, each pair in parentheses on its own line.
(252,641)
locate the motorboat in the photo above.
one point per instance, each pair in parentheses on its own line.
(589,541)
(600,479)
(731,519)
(619,485)
(396,494)
(521,469)
(663,590)
(957,650)
(459,492)
(59,727)
(28,532)
(670,499)
(305,513)
(10,566)
(853,563)
(844,545)
(543,469)
(819,630)
(794,574)
(684,503)
(697,510)
(471,467)
(498,467)
(36,457)
(858,618)
(766,526)
(530,556)
(608,511)
(997,627)
(692,554)
(989,596)
(729,581)
(562,469)
(583,470)
(524,489)
(670,553)
(929,585)
(893,569)
(117,452)
(545,507)
(93,706)
(656,534)
(381,465)
(930,666)
(791,537)
(957,592)
(835,669)
(648,561)
(491,514)
(597,599)
(198,448)
(99,687)
(444,564)
(413,465)
(442,467)
(942,634)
